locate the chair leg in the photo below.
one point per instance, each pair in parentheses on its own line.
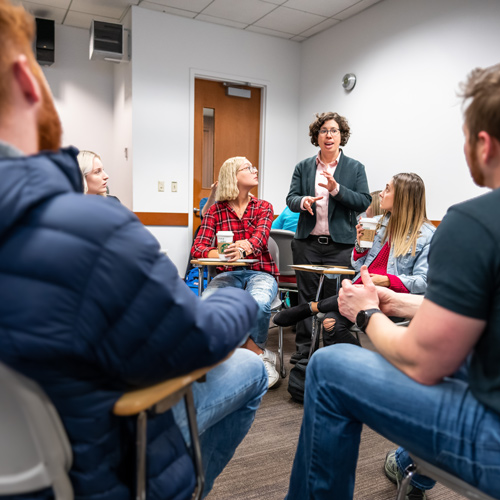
(409,473)
(317,333)
(280,351)
(141,432)
(195,443)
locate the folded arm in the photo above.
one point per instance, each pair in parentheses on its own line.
(433,346)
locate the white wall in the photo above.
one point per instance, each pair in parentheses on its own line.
(167,53)
(121,176)
(84,96)
(409,57)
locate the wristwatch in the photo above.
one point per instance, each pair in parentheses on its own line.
(363,318)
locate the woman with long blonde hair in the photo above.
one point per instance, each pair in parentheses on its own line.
(397,259)
(250,221)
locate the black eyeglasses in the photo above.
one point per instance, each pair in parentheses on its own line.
(332,131)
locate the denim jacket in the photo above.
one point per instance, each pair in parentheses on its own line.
(410,269)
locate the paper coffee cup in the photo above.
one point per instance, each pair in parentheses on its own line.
(369,227)
(224,239)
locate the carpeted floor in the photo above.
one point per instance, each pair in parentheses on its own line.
(261,465)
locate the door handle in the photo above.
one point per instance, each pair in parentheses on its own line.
(196,211)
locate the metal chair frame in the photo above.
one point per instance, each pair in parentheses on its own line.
(445,478)
(162,406)
(277,304)
(158,399)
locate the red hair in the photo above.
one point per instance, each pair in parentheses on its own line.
(17,29)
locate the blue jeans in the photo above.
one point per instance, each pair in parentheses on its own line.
(263,287)
(225,408)
(347,386)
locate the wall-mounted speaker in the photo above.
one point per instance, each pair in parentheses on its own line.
(44,42)
(106,41)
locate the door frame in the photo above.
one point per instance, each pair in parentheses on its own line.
(237,80)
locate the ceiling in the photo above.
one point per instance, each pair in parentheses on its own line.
(291,19)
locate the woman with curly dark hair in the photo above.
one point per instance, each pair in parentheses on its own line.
(328,190)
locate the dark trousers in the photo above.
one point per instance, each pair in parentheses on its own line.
(341,333)
(311,251)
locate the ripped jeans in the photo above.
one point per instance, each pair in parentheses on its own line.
(263,287)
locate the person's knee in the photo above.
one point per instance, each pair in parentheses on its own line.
(264,294)
(264,306)
(333,359)
(252,371)
(329,325)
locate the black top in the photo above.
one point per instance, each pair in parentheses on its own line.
(464,277)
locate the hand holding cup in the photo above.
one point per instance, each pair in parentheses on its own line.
(367,234)
(232,253)
(224,240)
(359,232)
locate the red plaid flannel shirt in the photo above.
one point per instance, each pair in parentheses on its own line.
(254,226)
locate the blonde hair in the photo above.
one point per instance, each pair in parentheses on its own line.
(86,164)
(375,204)
(408,213)
(227,188)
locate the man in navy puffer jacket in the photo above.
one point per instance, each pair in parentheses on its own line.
(90,308)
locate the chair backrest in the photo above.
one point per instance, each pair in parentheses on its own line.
(274,251)
(284,239)
(275,254)
(35,452)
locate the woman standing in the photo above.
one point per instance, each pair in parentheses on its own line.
(250,220)
(397,259)
(328,190)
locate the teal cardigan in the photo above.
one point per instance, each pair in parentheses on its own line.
(353,197)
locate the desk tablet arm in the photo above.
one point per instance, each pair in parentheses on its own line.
(157,399)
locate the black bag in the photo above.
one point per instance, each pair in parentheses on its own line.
(297,380)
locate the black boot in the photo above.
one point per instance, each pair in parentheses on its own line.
(289,317)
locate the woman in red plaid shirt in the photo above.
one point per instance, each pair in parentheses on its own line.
(250,220)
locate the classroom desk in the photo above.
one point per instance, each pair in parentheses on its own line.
(201,263)
(323,270)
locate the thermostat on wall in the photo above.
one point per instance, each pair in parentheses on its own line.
(348,81)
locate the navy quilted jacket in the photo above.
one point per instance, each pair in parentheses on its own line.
(90,308)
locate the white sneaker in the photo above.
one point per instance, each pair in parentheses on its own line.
(269,359)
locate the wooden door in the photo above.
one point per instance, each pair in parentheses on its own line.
(224,126)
